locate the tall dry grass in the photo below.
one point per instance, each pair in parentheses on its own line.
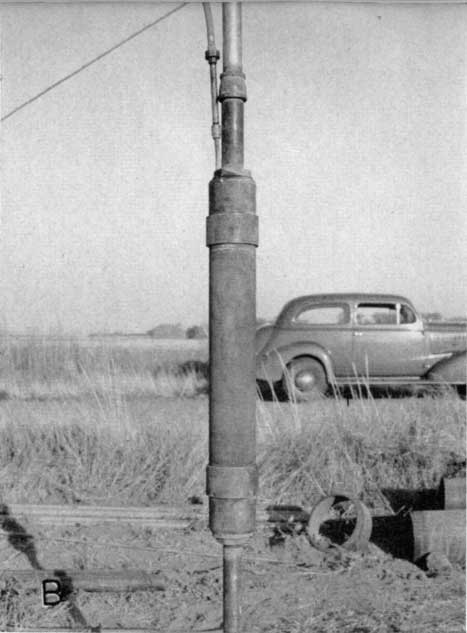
(124,451)
(45,368)
(362,446)
(84,422)
(73,464)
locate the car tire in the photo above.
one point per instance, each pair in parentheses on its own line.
(304,380)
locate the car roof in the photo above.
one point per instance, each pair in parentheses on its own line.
(346,297)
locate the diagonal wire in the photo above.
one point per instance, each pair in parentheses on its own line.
(92,61)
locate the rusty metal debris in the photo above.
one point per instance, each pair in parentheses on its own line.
(452,493)
(348,521)
(415,534)
(440,532)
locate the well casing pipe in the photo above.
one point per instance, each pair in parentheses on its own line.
(232,237)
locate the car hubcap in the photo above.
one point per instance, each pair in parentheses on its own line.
(305,381)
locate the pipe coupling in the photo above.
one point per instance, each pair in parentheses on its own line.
(232,228)
(232,520)
(231,192)
(232,86)
(232,502)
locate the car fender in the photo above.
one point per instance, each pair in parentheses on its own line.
(451,370)
(270,366)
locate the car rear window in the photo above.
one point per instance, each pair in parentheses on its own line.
(323,315)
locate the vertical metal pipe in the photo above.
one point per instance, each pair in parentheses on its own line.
(232,240)
(232,36)
(215,128)
(231,576)
(232,86)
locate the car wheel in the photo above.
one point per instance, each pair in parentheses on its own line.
(304,380)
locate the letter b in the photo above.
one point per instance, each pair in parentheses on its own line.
(51,592)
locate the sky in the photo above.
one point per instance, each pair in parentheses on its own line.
(355,133)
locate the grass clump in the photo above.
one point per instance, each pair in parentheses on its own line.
(78,463)
(307,451)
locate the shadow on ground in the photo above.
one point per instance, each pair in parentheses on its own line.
(23,542)
(273,391)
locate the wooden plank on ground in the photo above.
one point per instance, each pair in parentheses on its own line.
(159,516)
(88,580)
(100,630)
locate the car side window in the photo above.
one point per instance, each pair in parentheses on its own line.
(407,314)
(323,315)
(376,314)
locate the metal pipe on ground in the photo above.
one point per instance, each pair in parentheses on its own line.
(441,532)
(96,581)
(452,493)
(101,630)
(161,517)
(157,517)
(232,237)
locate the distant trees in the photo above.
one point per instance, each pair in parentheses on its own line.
(175,330)
(167,330)
(432,316)
(196,332)
(201,331)
(437,316)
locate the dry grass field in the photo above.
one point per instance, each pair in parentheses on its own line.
(124,422)
(34,368)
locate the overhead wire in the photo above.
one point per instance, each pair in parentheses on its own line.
(92,61)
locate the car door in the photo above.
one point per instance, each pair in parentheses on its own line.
(329,326)
(388,340)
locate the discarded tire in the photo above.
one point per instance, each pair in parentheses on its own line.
(440,531)
(339,520)
(451,493)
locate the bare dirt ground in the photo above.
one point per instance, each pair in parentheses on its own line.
(287,588)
